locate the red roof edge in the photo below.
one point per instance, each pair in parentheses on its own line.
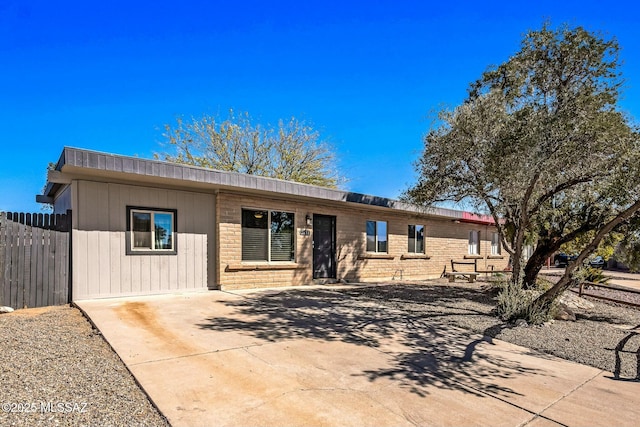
(477,219)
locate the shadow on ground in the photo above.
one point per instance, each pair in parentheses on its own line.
(424,349)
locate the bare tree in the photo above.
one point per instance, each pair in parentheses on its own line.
(291,151)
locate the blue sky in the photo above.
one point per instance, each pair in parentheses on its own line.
(108,75)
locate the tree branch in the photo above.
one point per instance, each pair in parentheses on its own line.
(565,280)
(561,187)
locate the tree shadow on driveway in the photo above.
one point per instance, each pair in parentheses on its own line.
(423,347)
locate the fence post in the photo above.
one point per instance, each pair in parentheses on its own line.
(3,251)
(69,230)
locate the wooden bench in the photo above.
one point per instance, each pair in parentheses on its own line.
(489,270)
(471,277)
(469,270)
(471,274)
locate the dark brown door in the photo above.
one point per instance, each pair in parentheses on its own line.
(324,247)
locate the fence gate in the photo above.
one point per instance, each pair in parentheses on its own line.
(34,259)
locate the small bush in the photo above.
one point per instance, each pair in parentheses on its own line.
(590,274)
(514,303)
(543,284)
(537,314)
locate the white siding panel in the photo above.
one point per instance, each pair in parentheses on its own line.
(114,260)
(145,274)
(104,258)
(197,260)
(93,263)
(136,287)
(80,276)
(101,266)
(189,256)
(154,273)
(181,261)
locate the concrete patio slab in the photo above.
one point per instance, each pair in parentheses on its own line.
(235,387)
(543,422)
(536,379)
(160,327)
(316,358)
(603,401)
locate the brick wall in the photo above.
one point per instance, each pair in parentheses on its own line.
(444,241)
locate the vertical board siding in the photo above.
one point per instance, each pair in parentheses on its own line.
(100,258)
(34,259)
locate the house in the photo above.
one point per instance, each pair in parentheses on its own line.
(146,227)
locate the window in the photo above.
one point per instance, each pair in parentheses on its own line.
(377,236)
(527,251)
(416,239)
(474,242)
(151,230)
(495,244)
(267,235)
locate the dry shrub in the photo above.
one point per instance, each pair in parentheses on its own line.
(515,303)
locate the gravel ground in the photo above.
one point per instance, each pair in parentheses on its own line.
(605,336)
(617,295)
(51,358)
(60,370)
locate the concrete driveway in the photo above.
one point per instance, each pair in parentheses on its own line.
(315,357)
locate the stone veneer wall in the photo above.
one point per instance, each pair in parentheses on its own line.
(444,241)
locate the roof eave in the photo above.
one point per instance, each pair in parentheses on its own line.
(87,162)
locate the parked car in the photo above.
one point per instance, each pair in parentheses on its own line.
(562,259)
(596,262)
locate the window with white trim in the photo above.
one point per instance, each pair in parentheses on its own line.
(495,244)
(151,230)
(268,235)
(527,252)
(474,242)
(416,239)
(377,237)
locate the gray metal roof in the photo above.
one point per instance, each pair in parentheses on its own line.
(94,162)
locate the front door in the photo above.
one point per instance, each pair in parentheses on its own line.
(324,247)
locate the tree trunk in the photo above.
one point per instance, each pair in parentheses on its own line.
(544,249)
(516,267)
(533,267)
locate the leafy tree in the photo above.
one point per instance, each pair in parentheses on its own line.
(605,249)
(291,151)
(628,249)
(47,207)
(540,144)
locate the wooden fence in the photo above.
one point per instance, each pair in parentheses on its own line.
(34,259)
